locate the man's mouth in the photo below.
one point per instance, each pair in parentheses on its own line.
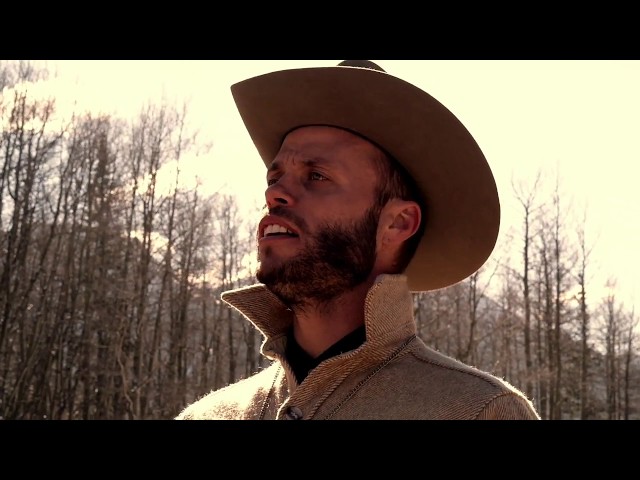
(275,230)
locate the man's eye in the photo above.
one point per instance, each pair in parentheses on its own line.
(317,176)
(271,181)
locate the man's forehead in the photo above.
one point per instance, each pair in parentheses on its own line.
(326,145)
(327,133)
(296,157)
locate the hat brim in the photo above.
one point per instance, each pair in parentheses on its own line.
(462,203)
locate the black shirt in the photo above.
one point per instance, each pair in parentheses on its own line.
(302,363)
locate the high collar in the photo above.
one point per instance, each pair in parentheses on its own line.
(388,311)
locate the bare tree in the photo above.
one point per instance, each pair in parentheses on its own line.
(585,330)
(29,147)
(526,198)
(631,336)
(612,319)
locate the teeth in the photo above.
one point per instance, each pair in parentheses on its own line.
(271,229)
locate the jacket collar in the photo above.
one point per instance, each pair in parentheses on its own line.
(388,312)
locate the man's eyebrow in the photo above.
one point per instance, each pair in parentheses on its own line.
(307,162)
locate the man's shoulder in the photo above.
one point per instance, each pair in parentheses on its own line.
(240,400)
(444,380)
(440,363)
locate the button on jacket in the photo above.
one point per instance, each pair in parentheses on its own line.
(393,375)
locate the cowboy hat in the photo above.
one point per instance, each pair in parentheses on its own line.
(463,207)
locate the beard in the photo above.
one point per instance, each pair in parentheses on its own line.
(336,259)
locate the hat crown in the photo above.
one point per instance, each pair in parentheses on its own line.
(361,64)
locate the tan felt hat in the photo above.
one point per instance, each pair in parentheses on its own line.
(463,207)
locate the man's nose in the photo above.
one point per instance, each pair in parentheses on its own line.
(280,192)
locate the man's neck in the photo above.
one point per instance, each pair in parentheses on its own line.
(317,326)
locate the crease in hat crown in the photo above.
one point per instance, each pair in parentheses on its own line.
(429,141)
(361,64)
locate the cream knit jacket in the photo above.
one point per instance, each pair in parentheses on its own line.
(393,375)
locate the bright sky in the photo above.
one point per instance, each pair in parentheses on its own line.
(578,118)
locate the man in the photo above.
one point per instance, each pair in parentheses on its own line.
(374,190)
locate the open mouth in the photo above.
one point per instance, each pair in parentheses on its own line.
(275,230)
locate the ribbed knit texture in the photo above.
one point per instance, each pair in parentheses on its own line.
(392,375)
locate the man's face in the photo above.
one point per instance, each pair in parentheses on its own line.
(319,237)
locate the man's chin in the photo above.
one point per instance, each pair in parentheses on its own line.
(266,275)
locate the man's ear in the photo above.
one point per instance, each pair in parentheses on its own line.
(400,220)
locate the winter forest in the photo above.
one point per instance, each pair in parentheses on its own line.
(110,286)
